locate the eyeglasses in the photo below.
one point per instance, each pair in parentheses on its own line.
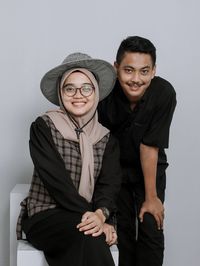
(85,90)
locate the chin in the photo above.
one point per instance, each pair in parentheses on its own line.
(79,114)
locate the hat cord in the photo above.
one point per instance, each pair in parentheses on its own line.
(78,129)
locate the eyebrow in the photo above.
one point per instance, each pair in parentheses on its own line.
(127,66)
(146,67)
(73,84)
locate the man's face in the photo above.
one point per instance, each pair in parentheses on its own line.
(135,73)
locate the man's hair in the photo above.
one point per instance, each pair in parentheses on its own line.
(136,44)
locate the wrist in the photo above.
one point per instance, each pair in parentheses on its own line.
(100,215)
(104,212)
(151,196)
(150,192)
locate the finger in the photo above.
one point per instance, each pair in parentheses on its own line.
(114,239)
(92,231)
(92,218)
(141,215)
(158,221)
(82,224)
(109,236)
(112,234)
(96,231)
(162,220)
(162,225)
(86,222)
(106,233)
(85,216)
(87,227)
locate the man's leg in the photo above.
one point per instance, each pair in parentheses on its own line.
(126,226)
(150,242)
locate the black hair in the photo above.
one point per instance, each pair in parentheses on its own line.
(136,44)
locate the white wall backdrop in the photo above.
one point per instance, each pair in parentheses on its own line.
(36,36)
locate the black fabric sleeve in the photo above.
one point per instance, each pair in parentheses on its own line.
(109,180)
(158,133)
(51,169)
(103,114)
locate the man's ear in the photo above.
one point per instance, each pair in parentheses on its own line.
(153,72)
(116,66)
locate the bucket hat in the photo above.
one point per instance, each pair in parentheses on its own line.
(102,70)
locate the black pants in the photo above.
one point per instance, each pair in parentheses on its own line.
(55,232)
(140,244)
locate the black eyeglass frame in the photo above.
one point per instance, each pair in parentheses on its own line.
(80,90)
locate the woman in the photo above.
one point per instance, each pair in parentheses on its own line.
(68,212)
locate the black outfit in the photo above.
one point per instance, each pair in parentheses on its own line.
(149,124)
(54,230)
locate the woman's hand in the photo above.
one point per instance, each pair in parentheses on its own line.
(92,223)
(110,233)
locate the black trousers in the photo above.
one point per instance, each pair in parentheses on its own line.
(139,244)
(55,232)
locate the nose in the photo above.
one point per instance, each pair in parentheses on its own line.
(78,93)
(135,77)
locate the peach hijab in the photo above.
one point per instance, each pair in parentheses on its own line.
(86,130)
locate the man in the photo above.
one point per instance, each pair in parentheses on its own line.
(139,112)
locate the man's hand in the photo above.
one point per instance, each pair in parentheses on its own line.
(155,207)
(110,233)
(92,223)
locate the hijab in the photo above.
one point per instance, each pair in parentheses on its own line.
(86,130)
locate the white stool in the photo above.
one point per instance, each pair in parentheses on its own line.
(27,255)
(21,252)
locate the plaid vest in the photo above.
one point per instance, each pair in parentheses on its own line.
(38,197)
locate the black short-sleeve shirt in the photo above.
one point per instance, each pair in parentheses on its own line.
(148,123)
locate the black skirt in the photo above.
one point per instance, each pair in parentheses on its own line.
(55,233)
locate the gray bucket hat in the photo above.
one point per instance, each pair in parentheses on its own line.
(102,70)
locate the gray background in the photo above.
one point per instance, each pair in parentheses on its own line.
(36,36)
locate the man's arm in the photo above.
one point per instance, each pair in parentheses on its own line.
(152,204)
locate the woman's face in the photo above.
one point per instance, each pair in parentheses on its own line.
(78,104)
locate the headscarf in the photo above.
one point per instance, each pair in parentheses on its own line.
(85,129)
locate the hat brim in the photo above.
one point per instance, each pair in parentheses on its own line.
(102,70)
